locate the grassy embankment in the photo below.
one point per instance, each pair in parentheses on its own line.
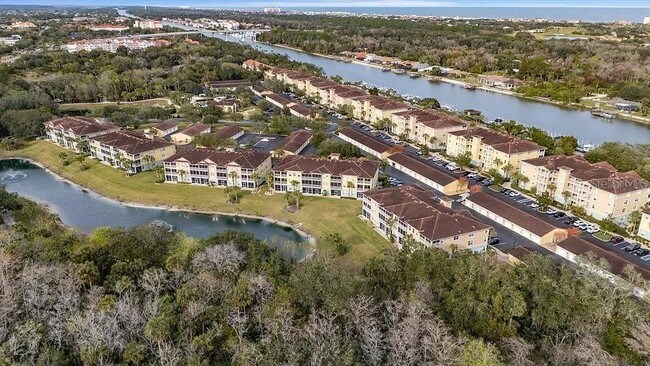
(156,102)
(319,216)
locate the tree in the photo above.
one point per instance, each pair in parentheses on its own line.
(350,186)
(233,193)
(81,158)
(82,146)
(479,353)
(233,175)
(634,220)
(464,160)
(424,151)
(544,200)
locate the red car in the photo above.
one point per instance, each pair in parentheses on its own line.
(617,239)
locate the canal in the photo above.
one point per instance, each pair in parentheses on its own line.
(554,119)
(87,211)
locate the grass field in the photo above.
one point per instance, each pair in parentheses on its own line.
(319,216)
(158,102)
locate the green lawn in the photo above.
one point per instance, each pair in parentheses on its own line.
(157,102)
(319,216)
(602,236)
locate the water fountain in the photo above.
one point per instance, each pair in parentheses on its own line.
(12,176)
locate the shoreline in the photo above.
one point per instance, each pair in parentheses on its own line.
(308,237)
(623,116)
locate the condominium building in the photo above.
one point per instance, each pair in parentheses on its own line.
(411,212)
(424,172)
(147,24)
(131,151)
(598,188)
(490,149)
(325,177)
(366,143)
(425,127)
(69,131)
(163,129)
(244,169)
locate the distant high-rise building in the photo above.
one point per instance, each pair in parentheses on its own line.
(646,20)
(274,10)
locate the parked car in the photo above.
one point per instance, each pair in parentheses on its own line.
(551,211)
(577,223)
(633,248)
(569,221)
(534,205)
(494,240)
(559,214)
(487,182)
(642,252)
(592,230)
(514,194)
(617,239)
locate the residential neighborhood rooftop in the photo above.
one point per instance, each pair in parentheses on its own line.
(422,168)
(601,175)
(80,126)
(248,159)
(228,132)
(617,263)
(512,213)
(420,209)
(311,164)
(131,142)
(195,129)
(365,140)
(295,140)
(164,126)
(499,141)
(431,118)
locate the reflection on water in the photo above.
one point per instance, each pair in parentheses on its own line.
(87,211)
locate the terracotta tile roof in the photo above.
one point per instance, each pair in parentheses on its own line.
(311,164)
(229,83)
(616,262)
(301,109)
(386,104)
(279,98)
(433,119)
(131,142)
(295,140)
(600,175)
(366,140)
(421,167)
(248,159)
(80,126)
(228,132)
(512,213)
(164,126)
(195,129)
(419,209)
(499,141)
(521,253)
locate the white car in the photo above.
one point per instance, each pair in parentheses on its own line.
(577,223)
(534,205)
(593,230)
(514,194)
(551,211)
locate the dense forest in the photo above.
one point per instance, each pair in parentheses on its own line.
(32,86)
(148,296)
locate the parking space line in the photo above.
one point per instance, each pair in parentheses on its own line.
(646,257)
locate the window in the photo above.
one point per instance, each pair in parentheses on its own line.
(471,235)
(455,237)
(470,242)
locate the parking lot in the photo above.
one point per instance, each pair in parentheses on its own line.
(507,237)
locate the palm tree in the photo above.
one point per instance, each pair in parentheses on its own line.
(182,174)
(390,224)
(497,163)
(507,169)
(294,188)
(350,185)
(233,175)
(82,146)
(433,141)
(426,138)
(551,188)
(566,194)
(383,164)
(148,159)
(269,180)
(63,156)
(255,176)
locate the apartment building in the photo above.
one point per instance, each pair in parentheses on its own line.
(131,151)
(426,127)
(69,131)
(163,129)
(244,169)
(411,212)
(490,149)
(325,177)
(598,188)
(293,144)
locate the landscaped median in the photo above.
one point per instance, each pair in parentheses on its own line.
(319,216)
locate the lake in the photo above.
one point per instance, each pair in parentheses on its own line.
(87,211)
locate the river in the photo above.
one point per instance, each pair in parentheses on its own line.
(556,120)
(87,211)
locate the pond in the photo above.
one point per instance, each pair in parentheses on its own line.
(86,211)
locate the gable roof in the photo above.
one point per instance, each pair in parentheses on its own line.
(295,140)
(419,208)
(512,213)
(164,126)
(131,142)
(311,164)
(228,132)
(248,159)
(365,140)
(499,141)
(600,175)
(433,119)
(579,246)
(424,169)
(279,99)
(195,129)
(80,125)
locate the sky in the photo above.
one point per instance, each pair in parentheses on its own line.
(345,3)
